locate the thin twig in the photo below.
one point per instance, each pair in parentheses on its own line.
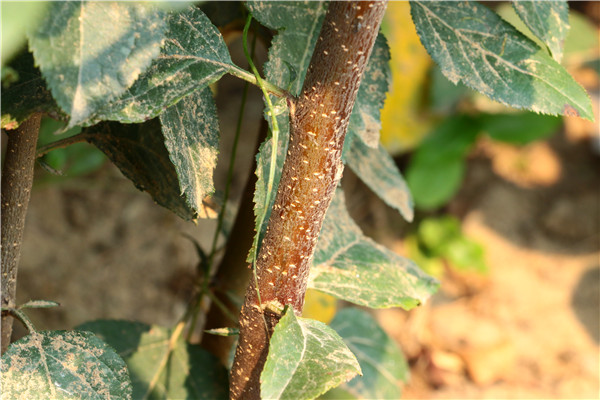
(62,143)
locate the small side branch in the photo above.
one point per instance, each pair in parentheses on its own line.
(17,179)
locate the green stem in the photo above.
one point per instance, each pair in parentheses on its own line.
(249,77)
(21,316)
(274,139)
(221,306)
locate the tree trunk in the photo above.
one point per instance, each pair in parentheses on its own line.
(318,123)
(17,178)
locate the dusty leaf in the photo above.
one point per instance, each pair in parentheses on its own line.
(306,358)
(91,52)
(194,56)
(377,169)
(39,304)
(365,120)
(352,267)
(474,45)
(139,152)
(183,372)
(548,20)
(382,362)
(191,134)
(63,365)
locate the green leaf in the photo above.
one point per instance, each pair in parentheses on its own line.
(299,24)
(39,304)
(189,372)
(194,56)
(263,159)
(92,52)
(442,237)
(381,360)
(140,153)
(354,268)
(377,169)
(433,184)
(548,20)
(306,358)
(474,45)
(365,120)
(27,95)
(520,128)
(63,365)
(437,167)
(366,157)
(191,131)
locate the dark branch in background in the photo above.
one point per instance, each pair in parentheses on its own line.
(318,121)
(233,275)
(17,178)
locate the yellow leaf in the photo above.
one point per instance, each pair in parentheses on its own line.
(319,306)
(402,126)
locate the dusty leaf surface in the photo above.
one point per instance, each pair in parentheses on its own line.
(306,358)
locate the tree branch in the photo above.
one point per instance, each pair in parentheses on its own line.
(318,122)
(17,179)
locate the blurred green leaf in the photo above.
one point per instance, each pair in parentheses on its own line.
(90,53)
(306,358)
(183,371)
(519,128)
(582,41)
(63,365)
(436,169)
(191,133)
(548,20)
(465,254)
(354,268)
(474,45)
(436,233)
(381,360)
(443,238)
(17,18)
(433,184)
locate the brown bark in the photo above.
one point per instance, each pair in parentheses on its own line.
(318,123)
(17,178)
